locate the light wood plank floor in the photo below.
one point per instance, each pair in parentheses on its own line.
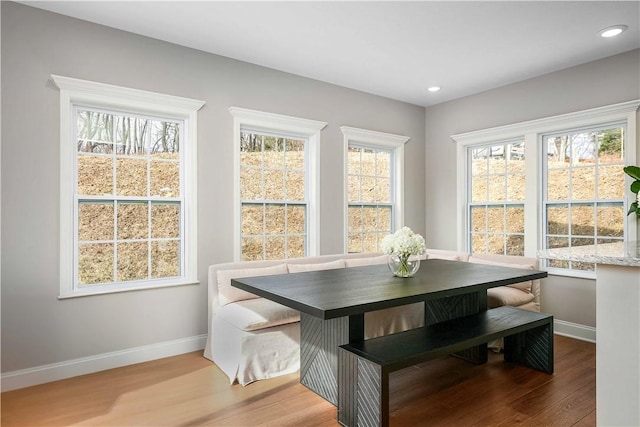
(188,390)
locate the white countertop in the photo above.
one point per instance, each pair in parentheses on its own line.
(619,253)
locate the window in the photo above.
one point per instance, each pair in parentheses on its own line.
(552,182)
(127,189)
(374,171)
(584,191)
(277,185)
(496,198)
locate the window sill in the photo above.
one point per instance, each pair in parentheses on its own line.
(97,291)
(571,273)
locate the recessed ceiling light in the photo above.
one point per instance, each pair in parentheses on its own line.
(434,88)
(612,31)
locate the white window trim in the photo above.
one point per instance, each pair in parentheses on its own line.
(277,123)
(100,95)
(372,138)
(532,132)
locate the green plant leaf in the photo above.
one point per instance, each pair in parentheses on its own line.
(634,208)
(635,187)
(632,171)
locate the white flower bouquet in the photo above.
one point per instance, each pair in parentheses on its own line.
(400,246)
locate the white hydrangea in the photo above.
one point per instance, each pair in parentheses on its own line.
(404,242)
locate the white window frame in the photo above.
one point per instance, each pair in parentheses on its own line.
(532,133)
(90,94)
(381,140)
(280,124)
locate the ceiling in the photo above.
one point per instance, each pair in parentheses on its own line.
(389,48)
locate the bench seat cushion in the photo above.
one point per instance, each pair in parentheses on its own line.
(258,313)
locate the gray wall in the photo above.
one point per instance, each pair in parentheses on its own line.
(39,329)
(607,81)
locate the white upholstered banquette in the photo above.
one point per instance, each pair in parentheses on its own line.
(252,338)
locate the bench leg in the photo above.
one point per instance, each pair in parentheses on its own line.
(363,394)
(532,348)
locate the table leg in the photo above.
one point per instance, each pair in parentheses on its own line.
(439,310)
(319,342)
(356,327)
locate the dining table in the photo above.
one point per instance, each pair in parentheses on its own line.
(332,304)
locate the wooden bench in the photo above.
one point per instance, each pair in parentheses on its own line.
(364,366)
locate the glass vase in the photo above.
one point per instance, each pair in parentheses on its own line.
(403,265)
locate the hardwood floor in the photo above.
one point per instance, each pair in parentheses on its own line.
(188,390)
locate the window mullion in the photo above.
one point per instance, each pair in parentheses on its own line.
(149,239)
(116,207)
(534,186)
(262,168)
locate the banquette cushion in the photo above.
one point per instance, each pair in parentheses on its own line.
(444,257)
(228,294)
(361,262)
(303,268)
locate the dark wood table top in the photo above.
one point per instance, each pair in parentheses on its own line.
(329,294)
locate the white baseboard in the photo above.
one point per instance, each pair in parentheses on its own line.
(574,330)
(100,362)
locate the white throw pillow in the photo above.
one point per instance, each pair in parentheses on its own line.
(228,294)
(361,262)
(523,286)
(303,268)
